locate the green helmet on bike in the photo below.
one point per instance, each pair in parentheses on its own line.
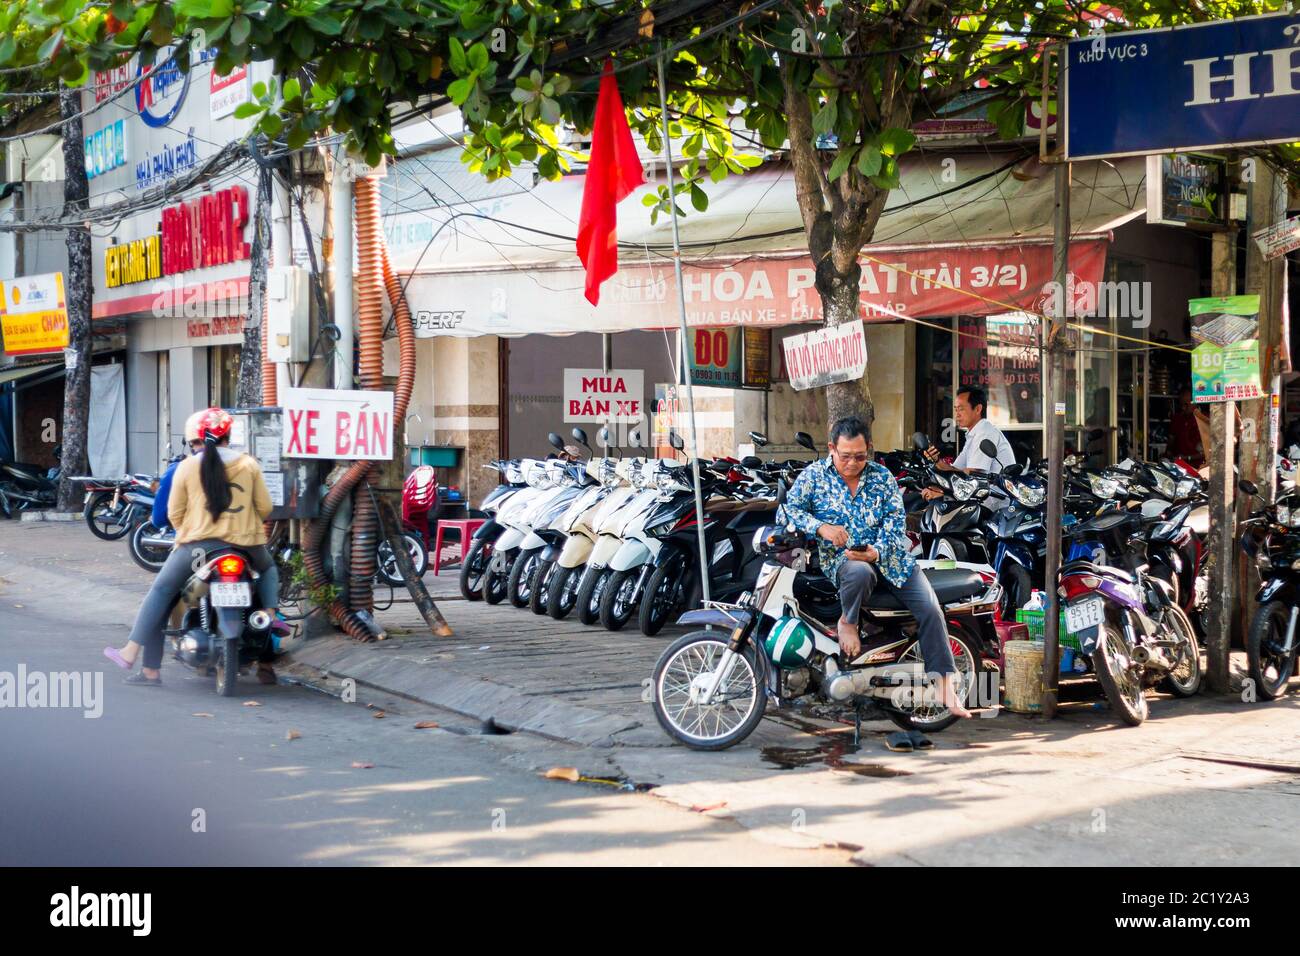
(789,643)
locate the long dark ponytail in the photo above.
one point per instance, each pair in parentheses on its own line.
(212,476)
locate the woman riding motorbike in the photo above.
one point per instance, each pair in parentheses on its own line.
(218,499)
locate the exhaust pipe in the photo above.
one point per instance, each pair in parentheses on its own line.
(153,541)
(896,682)
(1152,657)
(259,620)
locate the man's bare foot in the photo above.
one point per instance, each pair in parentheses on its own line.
(266,674)
(850,643)
(950,698)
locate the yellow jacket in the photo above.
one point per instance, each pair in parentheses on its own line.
(240,524)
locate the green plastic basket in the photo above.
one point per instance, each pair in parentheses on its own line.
(1034,621)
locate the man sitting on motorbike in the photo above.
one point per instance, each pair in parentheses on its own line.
(854,506)
(218,499)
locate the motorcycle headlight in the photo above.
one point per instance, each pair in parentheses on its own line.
(1283,515)
(1187,487)
(1028,495)
(963,488)
(1164,484)
(1103,487)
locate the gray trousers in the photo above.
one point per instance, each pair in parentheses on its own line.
(166,590)
(858,581)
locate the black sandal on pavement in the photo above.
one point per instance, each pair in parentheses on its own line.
(900,742)
(139,678)
(920,741)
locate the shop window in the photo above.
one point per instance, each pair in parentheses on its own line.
(999,353)
(223,375)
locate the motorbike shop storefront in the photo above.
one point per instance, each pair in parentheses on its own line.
(502,313)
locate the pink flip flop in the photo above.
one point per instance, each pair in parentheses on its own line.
(114,655)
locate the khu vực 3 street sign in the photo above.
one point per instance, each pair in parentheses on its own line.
(1200,86)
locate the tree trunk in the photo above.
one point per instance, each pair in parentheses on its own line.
(250,353)
(78,291)
(840,299)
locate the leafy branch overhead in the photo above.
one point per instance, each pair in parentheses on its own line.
(851,78)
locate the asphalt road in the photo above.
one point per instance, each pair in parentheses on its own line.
(177,775)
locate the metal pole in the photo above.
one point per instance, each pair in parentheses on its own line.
(606,352)
(685,334)
(341,211)
(1222,557)
(1054,367)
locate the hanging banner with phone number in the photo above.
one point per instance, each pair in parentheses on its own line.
(1225,363)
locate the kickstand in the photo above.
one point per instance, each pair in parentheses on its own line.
(857,727)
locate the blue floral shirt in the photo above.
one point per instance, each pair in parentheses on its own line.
(874,516)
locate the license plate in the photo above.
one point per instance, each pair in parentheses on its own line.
(231,595)
(1085,614)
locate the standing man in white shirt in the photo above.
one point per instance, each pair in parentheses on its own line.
(970,409)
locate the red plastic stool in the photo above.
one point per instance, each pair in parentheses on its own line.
(466,527)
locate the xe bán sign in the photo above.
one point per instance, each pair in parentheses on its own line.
(1201,86)
(591,395)
(329,423)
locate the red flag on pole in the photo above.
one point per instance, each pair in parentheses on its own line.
(612,173)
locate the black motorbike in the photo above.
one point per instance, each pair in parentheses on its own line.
(1271,537)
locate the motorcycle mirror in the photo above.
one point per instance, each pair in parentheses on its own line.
(1012,470)
(556,441)
(919,441)
(634,438)
(1249,487)
(603,435)
(990,449)
(579,436)
(675,440)
(758,438)
(750,461)
(805,440)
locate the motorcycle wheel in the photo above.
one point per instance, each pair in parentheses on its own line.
(1123,688)
(541,586)
(724,723)
(519,584)
(497,583)
(1270,669)
(150,558)
(386,561)
(105,522)
(1017,585)
(662,594)
(228,667)
(591,590)
(1185,679)
(472,569)
(933,717)
(562,595)
(619,600)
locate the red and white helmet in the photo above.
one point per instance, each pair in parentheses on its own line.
(214,424)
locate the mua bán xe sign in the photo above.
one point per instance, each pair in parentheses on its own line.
(591,395)
(337,423)
(1200,86)
(827,356)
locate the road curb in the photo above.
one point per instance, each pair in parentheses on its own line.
(507,707)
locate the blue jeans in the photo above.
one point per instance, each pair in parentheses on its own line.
(858,581)
(166,591)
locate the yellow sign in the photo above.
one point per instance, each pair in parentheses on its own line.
(136,261)
(34,314)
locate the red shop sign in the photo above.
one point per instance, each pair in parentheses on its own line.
(208,231)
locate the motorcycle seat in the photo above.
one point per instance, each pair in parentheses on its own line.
(1098,569)
(950,586)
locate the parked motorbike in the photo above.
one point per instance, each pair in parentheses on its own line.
(778,642)
(107,512)
(25,487)
(1271,537)
(220,631)
(477,553)
(1133,631)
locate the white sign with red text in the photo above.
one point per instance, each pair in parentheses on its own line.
(330,423)
(226,93)
(836,354)
(591,395)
